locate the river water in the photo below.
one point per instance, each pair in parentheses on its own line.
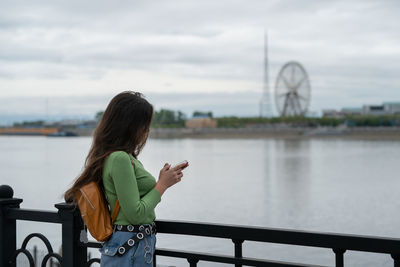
(331,185)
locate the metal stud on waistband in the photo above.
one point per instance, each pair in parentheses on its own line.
(147,230)
(130,228)
(119,227)
(141,228)
(140,236)
(121,250)
(131,242)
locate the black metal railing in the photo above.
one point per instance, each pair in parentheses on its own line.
(74,251)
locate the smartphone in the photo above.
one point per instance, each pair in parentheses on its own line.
(185,161)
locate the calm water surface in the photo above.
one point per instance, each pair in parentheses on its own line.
(328,185)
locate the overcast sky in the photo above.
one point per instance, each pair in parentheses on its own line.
(183,54)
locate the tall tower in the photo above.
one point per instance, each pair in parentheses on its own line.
(265,102)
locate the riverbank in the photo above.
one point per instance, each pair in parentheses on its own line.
(367,133)
(279,132)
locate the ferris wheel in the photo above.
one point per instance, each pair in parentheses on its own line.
(292,90)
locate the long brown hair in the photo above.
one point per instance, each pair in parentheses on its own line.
(124,126)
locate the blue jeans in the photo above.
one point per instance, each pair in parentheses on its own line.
(141,254)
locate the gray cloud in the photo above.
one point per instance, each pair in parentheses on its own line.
(350,48)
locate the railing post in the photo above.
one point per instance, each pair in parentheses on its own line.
(8,227)
(396,258)
(192,262)
(238,249)
(339,256)
(73,252)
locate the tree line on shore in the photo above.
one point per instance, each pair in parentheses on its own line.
(351,121)
(167,118)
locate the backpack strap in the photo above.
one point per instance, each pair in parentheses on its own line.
(115,211)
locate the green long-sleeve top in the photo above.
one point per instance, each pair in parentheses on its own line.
(133,186)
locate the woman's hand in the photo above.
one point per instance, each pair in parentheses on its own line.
(169,176)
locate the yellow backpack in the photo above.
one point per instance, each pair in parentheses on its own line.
(95,212)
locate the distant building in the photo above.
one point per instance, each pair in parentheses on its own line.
(27,131)
(392,107)
(351,111)
(387,108)
(373,110)
(201,122)
(331,113)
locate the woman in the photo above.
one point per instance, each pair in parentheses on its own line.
(112,162)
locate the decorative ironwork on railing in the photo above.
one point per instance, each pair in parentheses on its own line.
(74,251)
(31,260)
